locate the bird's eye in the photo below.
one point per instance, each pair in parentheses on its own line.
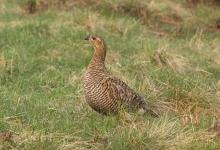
(93,38)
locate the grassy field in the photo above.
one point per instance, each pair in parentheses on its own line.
(167,50)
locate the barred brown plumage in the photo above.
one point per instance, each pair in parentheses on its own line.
(104,92)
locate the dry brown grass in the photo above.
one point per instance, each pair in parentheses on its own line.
(176,62)
(215,128)
(189,113)
(3,63)
(162,129)
(93,22)
(5,136)
(135,9)
(202,2)
(154,14)
(33,6)
(214,54)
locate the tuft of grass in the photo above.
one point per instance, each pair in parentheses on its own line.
(175,62)
(2,63)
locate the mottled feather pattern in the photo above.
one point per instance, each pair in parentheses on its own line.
(104,92)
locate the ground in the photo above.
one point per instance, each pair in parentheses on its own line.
(169,51)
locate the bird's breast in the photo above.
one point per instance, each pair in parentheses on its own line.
(92,80)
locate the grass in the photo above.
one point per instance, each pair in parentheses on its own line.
(167,51)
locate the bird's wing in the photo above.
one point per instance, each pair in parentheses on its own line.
(121,91)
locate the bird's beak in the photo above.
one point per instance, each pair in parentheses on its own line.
(87,38)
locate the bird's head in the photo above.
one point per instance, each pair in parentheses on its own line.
(97,42)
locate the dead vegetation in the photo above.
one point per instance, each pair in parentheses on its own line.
(161,129)
(162,18)
(215,128)
(7,66)
(34,6)
(134,9)
(163,58)
(166,18)
(188,112)
(5,136)
(3,63)
(192,3)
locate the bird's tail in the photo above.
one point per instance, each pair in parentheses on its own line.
(147,109)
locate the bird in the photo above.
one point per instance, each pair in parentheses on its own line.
(104,92)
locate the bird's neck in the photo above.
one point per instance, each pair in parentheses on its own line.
(98,59)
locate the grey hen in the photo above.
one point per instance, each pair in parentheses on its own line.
(105,93)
